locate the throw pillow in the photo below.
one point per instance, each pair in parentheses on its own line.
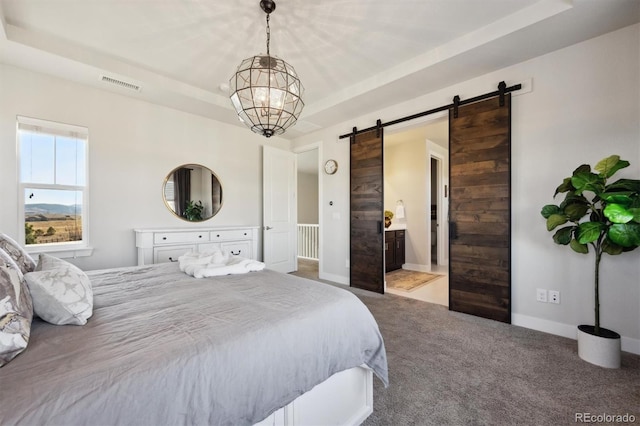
(17,253)
(16,311)
(61,292)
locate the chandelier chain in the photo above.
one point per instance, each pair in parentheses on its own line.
(268,35)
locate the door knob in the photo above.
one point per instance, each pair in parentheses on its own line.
(267,228)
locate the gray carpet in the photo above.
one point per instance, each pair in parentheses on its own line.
(447,368)
(450,368)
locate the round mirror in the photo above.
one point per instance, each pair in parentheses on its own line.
(192,192)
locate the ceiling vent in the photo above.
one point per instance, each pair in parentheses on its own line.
(120,83)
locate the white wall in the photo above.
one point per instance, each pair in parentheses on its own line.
(406,179)
(585,105)
(307,198)
(133,145)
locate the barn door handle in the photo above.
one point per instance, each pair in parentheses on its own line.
(379,227)
(453,231)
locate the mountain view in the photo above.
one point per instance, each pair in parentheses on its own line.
(57,209)
(52,223)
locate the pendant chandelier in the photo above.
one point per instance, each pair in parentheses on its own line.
(266,91)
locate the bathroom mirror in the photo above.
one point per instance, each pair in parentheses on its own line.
(192,192)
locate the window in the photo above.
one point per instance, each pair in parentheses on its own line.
(53,193)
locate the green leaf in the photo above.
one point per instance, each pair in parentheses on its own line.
(625,234)
(564,186)
(624,185)
(579,248)
(622,197)
(617,213)
(594,217)
(576,211)
(563,235)
(583,181)
(555,220)
(589,232)
(583,168)
(635,211)
(608,166)
(610,247)
(572,198)
(549,209)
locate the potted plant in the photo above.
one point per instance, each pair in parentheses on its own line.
(193,211)
(605,216)
(388,215)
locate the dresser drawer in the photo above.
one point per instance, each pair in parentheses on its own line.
(168,244)
(230,234)
(208,247)
(240,248)
(170,254)
(179,237)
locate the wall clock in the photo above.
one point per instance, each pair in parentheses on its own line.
(330,167)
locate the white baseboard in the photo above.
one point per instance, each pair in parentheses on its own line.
(565,330)
(416,267)
(334,278)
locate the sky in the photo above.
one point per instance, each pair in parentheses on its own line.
(56,160)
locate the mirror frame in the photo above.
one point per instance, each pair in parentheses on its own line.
(191,165)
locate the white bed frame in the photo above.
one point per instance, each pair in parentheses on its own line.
(346,399)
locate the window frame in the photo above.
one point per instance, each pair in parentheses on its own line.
(61,249)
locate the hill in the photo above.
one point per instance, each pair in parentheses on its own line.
(43,208)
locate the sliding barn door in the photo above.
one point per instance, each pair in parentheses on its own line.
(480,209)
(367,215)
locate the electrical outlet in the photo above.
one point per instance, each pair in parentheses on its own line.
(554,296)
(541,295)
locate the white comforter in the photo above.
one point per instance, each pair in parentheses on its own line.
(216,263)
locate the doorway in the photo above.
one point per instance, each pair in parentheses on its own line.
(415,172)
(435,203)
(439,205)
(308,224)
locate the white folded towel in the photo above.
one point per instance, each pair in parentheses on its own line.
(200,265)
(216,257)
(399,212)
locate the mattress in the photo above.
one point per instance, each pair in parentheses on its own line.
(166,348)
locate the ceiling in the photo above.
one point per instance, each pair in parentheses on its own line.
(353,56)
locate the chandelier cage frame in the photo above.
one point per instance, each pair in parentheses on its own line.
(266,91)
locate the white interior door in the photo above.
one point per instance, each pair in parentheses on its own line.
(279,209)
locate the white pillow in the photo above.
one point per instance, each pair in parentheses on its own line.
(15,310)
(61,292)
(19,255)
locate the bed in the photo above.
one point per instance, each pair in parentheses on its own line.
(163,348)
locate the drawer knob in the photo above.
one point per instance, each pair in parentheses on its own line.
(171,259)
(164,238)
(218,235)
(235,254)
(199,236)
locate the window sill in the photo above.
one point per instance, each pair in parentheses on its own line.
(61,251)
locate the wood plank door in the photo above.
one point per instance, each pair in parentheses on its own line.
(480,209)
(367,212)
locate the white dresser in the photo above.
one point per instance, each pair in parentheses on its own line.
(167,244)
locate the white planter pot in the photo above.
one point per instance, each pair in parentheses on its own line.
(603,351)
